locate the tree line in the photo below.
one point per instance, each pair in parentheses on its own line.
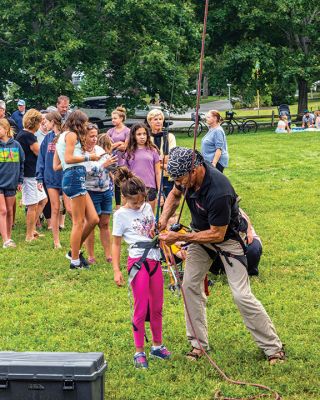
(140,48)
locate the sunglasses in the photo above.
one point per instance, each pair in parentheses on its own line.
(93,126)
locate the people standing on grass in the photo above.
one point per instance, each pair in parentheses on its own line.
(142,158)
(11,179)
(71,158)
(165,142)
(214,147)
(33,194)
(99,186)
(119,135)
(50,179)
(135,222)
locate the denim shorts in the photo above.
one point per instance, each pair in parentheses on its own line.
(8,192)
(102,201)
(74,181)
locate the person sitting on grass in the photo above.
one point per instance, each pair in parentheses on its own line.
(307,119)
(283,125)
(11,178)
(134,222)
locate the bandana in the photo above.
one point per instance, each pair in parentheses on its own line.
(180,161)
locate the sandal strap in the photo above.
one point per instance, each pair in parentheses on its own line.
(281,355)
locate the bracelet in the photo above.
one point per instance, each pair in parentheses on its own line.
(87,157)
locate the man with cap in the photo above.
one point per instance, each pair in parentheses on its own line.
(308,119)
(17,116)
(3,115)
(218,231)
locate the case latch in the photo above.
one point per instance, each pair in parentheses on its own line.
(4,383)
(68,384)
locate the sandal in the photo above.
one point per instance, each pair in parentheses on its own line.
(194,355)
(278,357)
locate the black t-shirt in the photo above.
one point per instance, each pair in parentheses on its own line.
(215,203)
(26,139)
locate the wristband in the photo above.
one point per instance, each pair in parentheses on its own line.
(87,157)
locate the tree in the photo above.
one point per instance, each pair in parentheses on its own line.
(127,47)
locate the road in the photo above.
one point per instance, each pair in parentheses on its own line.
(220,105)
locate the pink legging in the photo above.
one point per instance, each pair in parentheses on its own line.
(147,290)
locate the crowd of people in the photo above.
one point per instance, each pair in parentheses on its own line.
(62,164)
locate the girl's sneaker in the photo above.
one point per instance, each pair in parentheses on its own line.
(140,360)
(160,352)
(9,243)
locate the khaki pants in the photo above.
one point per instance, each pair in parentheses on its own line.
(253,313)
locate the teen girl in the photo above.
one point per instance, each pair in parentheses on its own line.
(71,158)
(142,158)
(11,178)
(99,188)
(120,138)
(134,222)
(46,175)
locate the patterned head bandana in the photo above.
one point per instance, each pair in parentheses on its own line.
(180,161)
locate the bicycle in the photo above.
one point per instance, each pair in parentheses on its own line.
(243,125)
(202,126)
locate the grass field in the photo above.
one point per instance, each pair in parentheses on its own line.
(46,307)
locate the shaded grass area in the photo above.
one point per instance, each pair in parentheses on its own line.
(46,307)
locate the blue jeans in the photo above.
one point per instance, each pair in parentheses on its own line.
(73,181)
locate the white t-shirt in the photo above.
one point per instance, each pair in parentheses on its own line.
(97,177)
(135,226)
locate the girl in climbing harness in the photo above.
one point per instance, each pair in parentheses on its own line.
(135,222)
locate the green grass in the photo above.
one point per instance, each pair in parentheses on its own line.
(46,307)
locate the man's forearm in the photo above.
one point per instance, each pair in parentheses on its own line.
(208,236)
(171,204)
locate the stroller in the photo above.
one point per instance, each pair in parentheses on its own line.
(284,109)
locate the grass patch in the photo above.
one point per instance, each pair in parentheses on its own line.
(46,307)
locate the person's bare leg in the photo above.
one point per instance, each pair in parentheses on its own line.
(91,218)
(3,219)
(31,221)
(105,236)
(78,210)
(89,243)
(55,215)
(10,204)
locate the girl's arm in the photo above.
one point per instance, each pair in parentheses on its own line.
(35,148)
(216,157)
(116,248)
(41,161)
(123,145)
(71,141)
(157,170)
(57,166)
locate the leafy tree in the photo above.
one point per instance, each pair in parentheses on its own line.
(127,47)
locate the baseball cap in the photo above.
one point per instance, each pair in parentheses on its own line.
(21,102)
(2,104)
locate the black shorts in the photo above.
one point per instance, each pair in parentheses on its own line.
(152,194)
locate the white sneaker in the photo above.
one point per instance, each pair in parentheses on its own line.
(9,243)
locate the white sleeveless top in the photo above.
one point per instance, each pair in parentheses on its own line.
(61,149)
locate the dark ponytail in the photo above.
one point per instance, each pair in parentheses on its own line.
(129,183)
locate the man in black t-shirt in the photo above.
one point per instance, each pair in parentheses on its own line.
(218,230)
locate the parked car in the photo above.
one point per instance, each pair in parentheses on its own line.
(96,110)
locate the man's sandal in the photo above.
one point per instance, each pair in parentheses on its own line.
(194,355)
(278,357)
